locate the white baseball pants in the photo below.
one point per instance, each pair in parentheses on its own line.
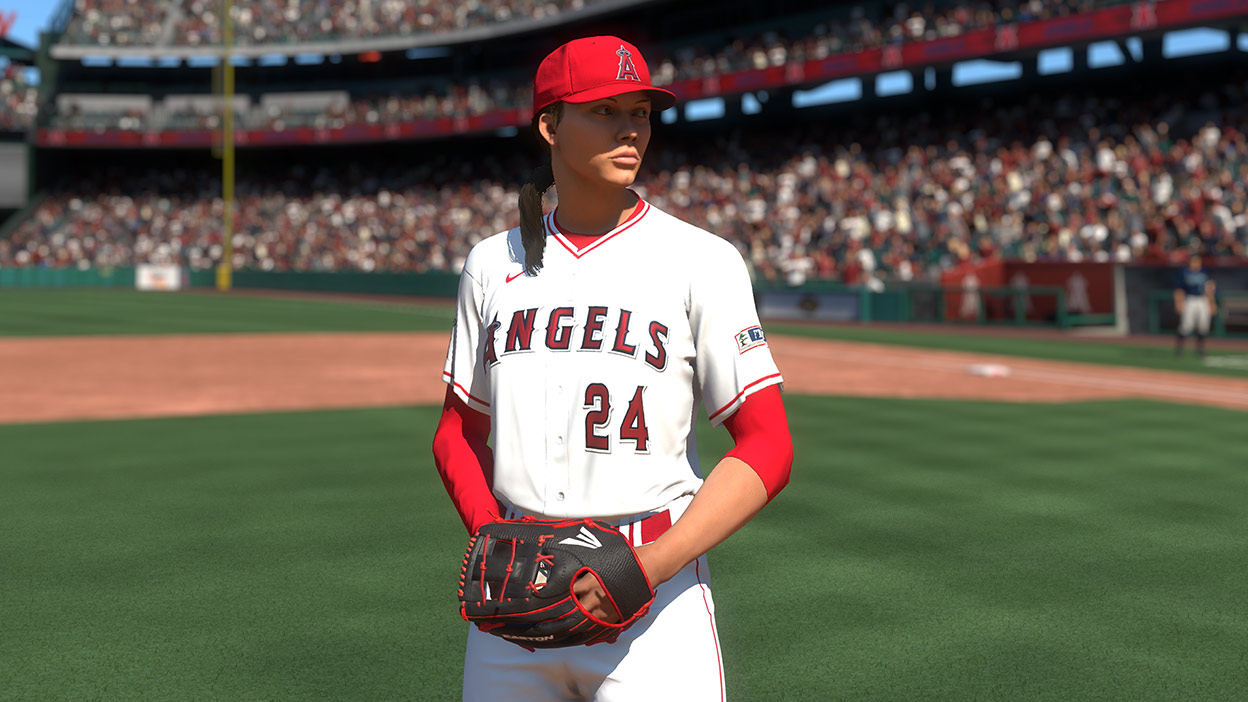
(1195,316)
(672,653)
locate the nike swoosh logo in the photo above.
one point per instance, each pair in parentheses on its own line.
(513,277)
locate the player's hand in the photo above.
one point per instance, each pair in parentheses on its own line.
(590,593)
(1178,308)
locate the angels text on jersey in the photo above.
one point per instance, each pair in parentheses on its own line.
(588,328)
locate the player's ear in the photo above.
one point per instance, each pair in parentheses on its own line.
(546,123)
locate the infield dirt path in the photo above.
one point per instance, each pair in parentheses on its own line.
(153,376)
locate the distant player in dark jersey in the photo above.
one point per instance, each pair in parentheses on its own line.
(1194,303)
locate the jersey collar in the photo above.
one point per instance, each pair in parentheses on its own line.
(553,229)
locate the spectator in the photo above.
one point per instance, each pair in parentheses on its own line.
(889,198)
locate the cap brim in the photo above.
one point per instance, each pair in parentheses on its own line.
(660,99)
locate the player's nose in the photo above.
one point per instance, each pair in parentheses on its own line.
(627,130)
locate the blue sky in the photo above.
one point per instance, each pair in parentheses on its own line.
(33,16)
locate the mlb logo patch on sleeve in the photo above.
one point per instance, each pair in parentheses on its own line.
(750,338)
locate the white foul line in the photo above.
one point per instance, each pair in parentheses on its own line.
(1168,390)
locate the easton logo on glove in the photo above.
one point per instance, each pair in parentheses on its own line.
(517,576)
(584,538)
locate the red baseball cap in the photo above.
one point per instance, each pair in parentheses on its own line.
(592,68)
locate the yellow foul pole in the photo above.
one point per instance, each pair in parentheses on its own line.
(226,267)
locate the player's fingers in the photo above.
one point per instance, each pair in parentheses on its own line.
(589,592)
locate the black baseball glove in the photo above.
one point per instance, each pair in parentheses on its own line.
(516,581)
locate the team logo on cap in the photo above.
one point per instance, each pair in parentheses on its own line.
(627,70)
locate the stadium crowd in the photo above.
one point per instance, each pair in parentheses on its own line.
(259,22)
(838,30)
(852,28)
(891,197)
(116,22)
(18,100)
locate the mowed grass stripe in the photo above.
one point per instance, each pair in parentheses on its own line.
(966,551)
(925,550)
(72,312)
(300,556)
(1076,350)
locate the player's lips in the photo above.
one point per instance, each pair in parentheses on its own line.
(629,158)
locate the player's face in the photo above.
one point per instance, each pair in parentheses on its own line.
(604,141)
(1194,263)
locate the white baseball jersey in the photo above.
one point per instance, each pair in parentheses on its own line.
(593,370)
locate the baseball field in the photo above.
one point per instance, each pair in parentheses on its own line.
(209,497)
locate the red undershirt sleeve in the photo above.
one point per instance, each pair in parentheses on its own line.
(466,462)
(760,429)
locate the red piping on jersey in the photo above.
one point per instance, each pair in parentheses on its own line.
(464,389)
(552,226)
(697,571)
(738,395)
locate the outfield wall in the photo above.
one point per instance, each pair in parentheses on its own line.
(1057,295)
(1030,306)
(66,278)
(431,284)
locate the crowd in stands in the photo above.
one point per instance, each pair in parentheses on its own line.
(851,28)
(197,23)
(403,218)
(117,23)
(259,22)
(262,22)
(471,99)
(844,29)
(18,99)
(904,198)
(893,197)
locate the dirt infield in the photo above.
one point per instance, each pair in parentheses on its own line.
(154,376)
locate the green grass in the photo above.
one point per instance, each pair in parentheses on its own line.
(925,550)
(1077,350)
(71,311)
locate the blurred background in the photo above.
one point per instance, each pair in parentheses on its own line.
(882,145)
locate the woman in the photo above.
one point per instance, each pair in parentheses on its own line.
(585,339)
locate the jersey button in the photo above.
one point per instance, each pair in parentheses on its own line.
(559,440)
(559,497)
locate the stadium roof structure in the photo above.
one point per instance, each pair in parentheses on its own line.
(68,51)
(16,52)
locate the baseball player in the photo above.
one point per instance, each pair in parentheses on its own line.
(584,342)
(1194,302)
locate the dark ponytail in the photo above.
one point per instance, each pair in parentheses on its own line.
(532,232)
